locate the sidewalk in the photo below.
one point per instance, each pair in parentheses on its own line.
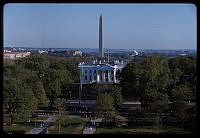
(92,128)
(89,130)
(43,128)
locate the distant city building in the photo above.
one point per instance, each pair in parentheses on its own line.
(135,53)
(6,51)
(77,53)
(15,55)
(42,51)
(74,53)
(182,54)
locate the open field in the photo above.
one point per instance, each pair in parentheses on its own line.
(69,126)
(144,130)
(21,127)
(17,129)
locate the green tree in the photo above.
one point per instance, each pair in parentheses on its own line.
(66,64)
(33,81)
(35,63)
(21,73)
(179,109)
(28,104)
(59,105)
(184,67)
(130,80)
(40,94)
(52,85)
(155,73)
(159,106)
(147,79)
(104,107)
(187,64)
(183,74)
(9,68)
(176,75)
(155,77)
(11,96)
(178,93)
(117,96)
(179,98)
(19,99)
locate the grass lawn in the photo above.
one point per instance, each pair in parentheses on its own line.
(20,127)
(144,130)
(17,129)
(68,130)
(39,118)
(69,126)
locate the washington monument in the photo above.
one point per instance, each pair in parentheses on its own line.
(101,54)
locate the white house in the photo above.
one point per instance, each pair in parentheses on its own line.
(100,72)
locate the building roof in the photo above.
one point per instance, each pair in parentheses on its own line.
(16,52)
(104,65)
(100,66)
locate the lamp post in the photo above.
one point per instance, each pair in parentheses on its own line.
(70,92)
(80,88)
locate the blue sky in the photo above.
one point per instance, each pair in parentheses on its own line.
(125,26)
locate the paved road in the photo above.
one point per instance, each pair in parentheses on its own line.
(70,116)
(43,127)
(89,130)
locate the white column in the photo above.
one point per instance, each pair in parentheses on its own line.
(103,76)
(109,77)
(97,76)
(88,75)
(114,76)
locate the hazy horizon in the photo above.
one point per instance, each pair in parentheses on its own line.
(125,26)
(97,48)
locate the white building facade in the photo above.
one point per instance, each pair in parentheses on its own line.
(15,55)
(99,72)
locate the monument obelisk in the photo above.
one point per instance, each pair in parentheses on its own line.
(101,53)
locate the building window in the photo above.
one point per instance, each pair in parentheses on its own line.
(94,71)
(85,71)
(85,77)
(101,78)
(90,71)
(90,77)
(95,78)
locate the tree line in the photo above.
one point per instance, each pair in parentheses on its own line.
(160,78)
(161,84)
(35,82)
